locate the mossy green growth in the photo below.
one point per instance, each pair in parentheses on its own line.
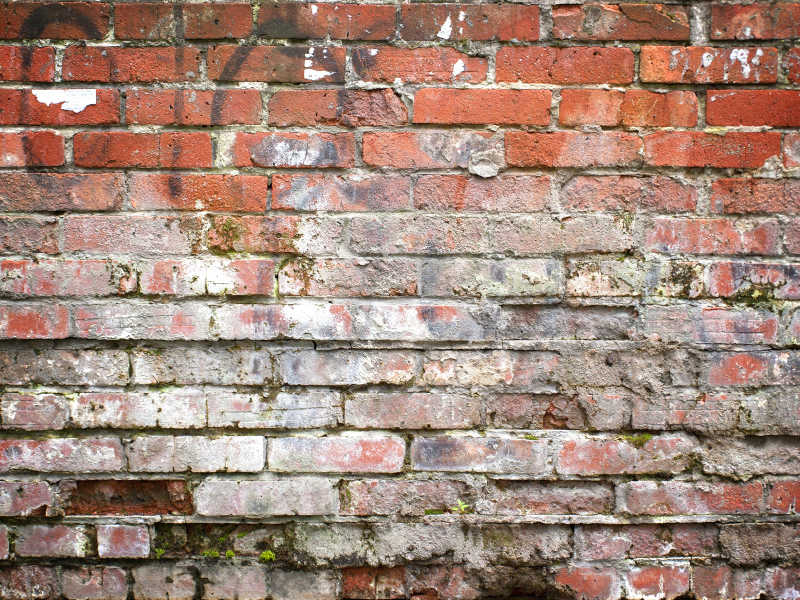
(530,436)
(230,554)
(461,507)
(434,511)
(210,553)
(637,439)
(159,552)
(756,295)
(266,556)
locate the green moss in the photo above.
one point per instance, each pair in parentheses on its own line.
(638,439)
(230,554)
(756,295)
(159,552)
(266,556)
(530,436)
(210,553)
(434,511)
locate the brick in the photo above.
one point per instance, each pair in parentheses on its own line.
(417,65)
(791,65)
(521,544)
(163,581)
(123,541)
(510,497)
(65,367)
(704,413)
(27,235)
(752,543)
(469,22)
(230,193)
(603,542)
(457,193)
(130,65)
(426,149)
(285,64)
(565,65)
(349,108)
(784,497)
(364,454)
(516,369)
(407,497)
(401,234)
(751,369)
(34,412)
(606,456)
(776,108)
(25,498)
(85,583)
(495,278)
(677,497)
(370,582)
(571,149)
(307,367)
(411,411)
(780,581)
(294,150)
(125,497)
(705,64)
(480,455)
(590,107)
(671,582)
(173,150)
(25,63)
(337,21)
(33,321)
(56,20)
(32,149)
(214,21)
(238,581)
(641,108)
(615,277)
(698,149)
(62,454)
(541,322)
(718,582)
(29,581)
(534,411)
(793,236)
(710,325)
(55,540)
(589,583)
(283,233)
(55,192)
(220,276)
(141,235)
(347,277)
(59,107)
(143,21)
(288,496)
(189,365)
(712,236)
(621,22)
(193,107)
(181,409)
(287,410)
(505,107)
(628,193)
(287,585)
(138,321)
(791,150)
(314,191)
(744,458)
(745,195)
(759,21)
(173,454)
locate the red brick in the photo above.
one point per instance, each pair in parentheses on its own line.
(791,150)
(30,322)
(143,21)
(254,234)
(337,21)
(504,22)
(109,583)
(286,64)
(350,108)
(25,498)
(745,195)
(760,21)
(710,325)
(124,149)
(143,235)
(508,497)
(784,497)
(722,583)
(603,542)
(84,455)
(418,65)
(294,150)
(479,455)
(740,369)
(26,235)
(29,581)
(793,236)
(705,64)
(347,277)
(55,192)
(590,107)
(698,149)
(514,193)
(52,540)
(791,65)
(126,497)
(34,412)
(363,454)
(776,108)
(411,411)
(123,541)
(621,22)
(571,149)
(712,236)
(402,497)
(193,107)
(230,193)
(589,583)
(628,193)
(56,107)
(641,108)
(369,583)
(504,107)
(31,149)
(216,21)
(689,498)
(316,191)
(726,279)
(597,456)
(55,20)
(135,321)
(25,63)
(667,582)
(565,65)
(423,149)
(129,65)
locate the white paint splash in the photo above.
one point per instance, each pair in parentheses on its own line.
(446,30)
(313,74)
(707,59)
(71,100)
(742,55)
(458,68)
(314,9)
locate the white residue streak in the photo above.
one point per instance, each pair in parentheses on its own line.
(707,59)
(313,74)
(71,100)
(742,55)
(458,68)
(446,30)
(314,9)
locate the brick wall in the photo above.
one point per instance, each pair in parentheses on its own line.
(399,300)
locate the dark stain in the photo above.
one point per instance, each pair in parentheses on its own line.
(27,61)
(285,23)
(231,68)
(175,186)
(178,106)
(180,27)
(36,22)
(363,61)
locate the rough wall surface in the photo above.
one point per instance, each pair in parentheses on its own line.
(419,300)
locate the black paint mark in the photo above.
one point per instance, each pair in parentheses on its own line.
(231,68)
(36,22)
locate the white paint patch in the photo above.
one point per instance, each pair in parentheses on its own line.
(458,68)
(461,15)
(373,52)
(446,30)
(71,100)
(314,9)
(707,59)
(742,55)
(314,75)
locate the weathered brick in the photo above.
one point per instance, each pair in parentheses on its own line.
(791,65)
(143,21)
(64,367)
(130,65)
(590,583)
(141,235)
(698,149)
(234,193)
(26,63)
(238,581)
(411,411)
(784,497)
(188,365)
(669,581)
(363,454)
(56,20)
(572,149)
(498,278)
(290,496)
(480,455)
(160,581)
(59,107)
(417,65)
(285,64)
(29,581)
(349,108)
(791,150)
(499,367)
(286,410)
(308,367)
(612,277)
(347,277)
(172,454)
(55,540)
(123,541)
(712,236)
(718,582)
(408,498)
(32,149)
(705,64)
(710,325)
(510,497)
(55,192)
(601,542)
(678,497)
(296,150)
(505,22)
(621,22)
(193,107)
(705,413)
(504,107)
(33,321)
(759,21)
(25,498)
(86,455)
(316,191)
(606,456)
(85,583)
(27,235)
(457,193)
(752,543)
(565,65)
(175,150)
(337,21)
(428,149)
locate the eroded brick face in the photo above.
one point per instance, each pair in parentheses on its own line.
(399,300)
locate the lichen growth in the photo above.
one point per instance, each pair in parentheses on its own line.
(637,440)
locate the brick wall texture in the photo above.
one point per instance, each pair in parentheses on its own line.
(399,300)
